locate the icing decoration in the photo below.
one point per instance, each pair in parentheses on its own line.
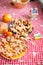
(37,36)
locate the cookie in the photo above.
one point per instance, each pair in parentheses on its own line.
(14,45)
(12,48)
(21,27)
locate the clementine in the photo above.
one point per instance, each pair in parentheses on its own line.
(7,18)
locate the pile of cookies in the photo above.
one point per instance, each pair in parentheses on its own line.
(21,28)
(12,48)
(13,45)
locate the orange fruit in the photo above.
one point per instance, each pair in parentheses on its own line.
(9,33)
(5,31)
(7,18)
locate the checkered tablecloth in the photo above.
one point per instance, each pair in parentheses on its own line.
(34,55)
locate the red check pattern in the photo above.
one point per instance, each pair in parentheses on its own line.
(34,55)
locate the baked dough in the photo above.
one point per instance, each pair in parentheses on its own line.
(21,28)
(12,48)
(15,46)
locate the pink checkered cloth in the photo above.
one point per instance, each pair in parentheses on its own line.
(34,55)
